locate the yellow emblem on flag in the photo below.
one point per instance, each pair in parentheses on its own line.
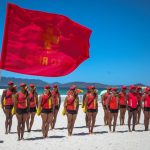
(50,36)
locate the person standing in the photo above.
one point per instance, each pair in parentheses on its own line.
(83,105)
(132,102)
(57,101)
(7,106)
(104,99)
(21,108)
(47,108)
(146,108)
(91,104)
(112,105)
(123,104)
(33,101)
(139,97)
(71,105)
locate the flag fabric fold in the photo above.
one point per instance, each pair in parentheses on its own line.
(42,44)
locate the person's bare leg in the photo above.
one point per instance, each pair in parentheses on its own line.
(10,121)
(129,120)
(105,120)
(115,121)
(55,118)
(146,120)
(69,119)
(134,120)
(110,120)
(19,119)
(32,120)
(49,121)
(89,121)
(73,122)
(123,117)
(139,115)
(27,121)
(93,121)
(44,119)
(23,124)
(106,116)
(86,120)
(7,120)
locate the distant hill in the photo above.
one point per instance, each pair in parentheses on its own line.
(40,83)
(85,84)
(17,81)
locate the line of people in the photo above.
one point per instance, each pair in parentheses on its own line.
(132,101)
(25,104)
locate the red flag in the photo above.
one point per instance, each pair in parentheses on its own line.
(44,44)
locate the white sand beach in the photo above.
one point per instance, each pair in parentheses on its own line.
(58,139)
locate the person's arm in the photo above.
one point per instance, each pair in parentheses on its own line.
(65,102)
(36,99)
(28,102)
(15,102)
(77,99)
(2,100)
(83,100)
(86,102)
(59,100)
(39,102)
(142,100)
(102,98)
(127,98)
(118,101)
(107,102)
(53,103)
(96,101)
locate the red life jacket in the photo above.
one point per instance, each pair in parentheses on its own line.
(91,101)
(132,100)
(22,101)
(46,102)
(32,100)
(113,103)
(147,101)
(55,98)
(106,95)
(71,102)
(122,98)
(8,98)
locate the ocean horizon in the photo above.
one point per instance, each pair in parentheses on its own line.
(62,91)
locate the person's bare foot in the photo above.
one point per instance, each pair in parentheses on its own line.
(6,132)
(130,130)
(69,134)
(92,133)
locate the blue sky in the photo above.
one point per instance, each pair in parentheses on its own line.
(120,41)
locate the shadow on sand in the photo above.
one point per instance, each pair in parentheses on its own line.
(138,130)
(40,138)
(122,131)
(79,127)
(83,133)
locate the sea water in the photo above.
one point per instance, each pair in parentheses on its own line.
(62,91)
